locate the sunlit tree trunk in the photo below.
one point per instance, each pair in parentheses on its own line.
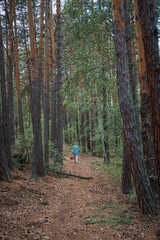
(37,158)
(146,106)
(148,24)
(146,198)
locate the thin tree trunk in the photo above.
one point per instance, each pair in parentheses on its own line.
(46,86)
(53,66)
(146,198)
(126,164)
(59,82)
(10,76)
(17,75)
(88,131)
(92,97)
(105,127)
(83,138)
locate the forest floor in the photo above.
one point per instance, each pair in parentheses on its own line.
(61,208)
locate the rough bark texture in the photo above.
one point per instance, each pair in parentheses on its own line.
(126,185)
(126,166)
(17,75)
(10,76)
(146,106)
(149,32)
(59,82)
(146,198)
(37,158)
(46,85)
(53,64)
(5,156)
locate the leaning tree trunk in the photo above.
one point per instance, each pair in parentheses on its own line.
(59,83)
(146,107)
(149,32)
(146,198)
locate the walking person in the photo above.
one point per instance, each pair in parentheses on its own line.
(75,152)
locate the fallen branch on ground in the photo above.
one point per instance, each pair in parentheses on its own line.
(71,175)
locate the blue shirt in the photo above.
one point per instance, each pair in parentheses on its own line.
(75,149)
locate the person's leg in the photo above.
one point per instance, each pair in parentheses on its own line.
(76,158)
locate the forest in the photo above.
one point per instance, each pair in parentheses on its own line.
(83,72)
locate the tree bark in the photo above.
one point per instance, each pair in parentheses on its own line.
(37,158)
(53,66)
(146,198)
(148,23)
(17,75)
(5,155)
(59,83)
(146,106)
(46,86)
(10,76)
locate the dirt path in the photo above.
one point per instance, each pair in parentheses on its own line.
(57,208)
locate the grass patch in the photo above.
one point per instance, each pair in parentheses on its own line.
(105,207)
(112,218)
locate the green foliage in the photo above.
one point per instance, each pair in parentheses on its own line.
(113,218)
(55,157)
(22,150)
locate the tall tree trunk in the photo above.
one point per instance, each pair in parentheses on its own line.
(17,75)
(88,131)
(93,126)
(105,116)
(126,166)
(4,168)
(105,127)
(146,107)
(5,155)
(59,82)
(83,138)
(93,144)
(37,158)
(77,128)
(46,86)
(10,76)
(146,198)
(148,23)
(53,66)
(126,184)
